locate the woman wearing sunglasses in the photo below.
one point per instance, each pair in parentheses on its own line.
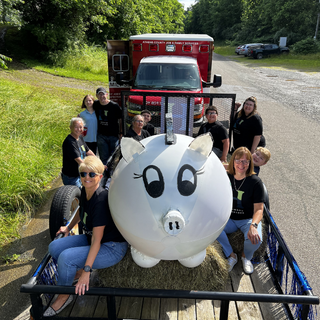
(101,245)
(247,209)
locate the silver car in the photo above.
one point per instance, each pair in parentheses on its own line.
(244,49)
(237,50)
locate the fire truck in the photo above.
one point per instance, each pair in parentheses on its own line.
(179,63)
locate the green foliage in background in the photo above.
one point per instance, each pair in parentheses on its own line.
(3,60)
(306,46)
(247,21)
(55,25)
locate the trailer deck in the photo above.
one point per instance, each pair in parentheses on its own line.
(179,308)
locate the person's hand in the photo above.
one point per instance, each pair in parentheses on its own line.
(253,235)
(83,283)
(64,230)
(223,160)
(237,105)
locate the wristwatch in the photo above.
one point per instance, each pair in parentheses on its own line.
(255,225)
(87,269)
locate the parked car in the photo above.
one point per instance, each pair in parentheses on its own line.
(237,51)
(244,49)
(252,47)
(266,50)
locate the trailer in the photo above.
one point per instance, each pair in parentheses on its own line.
(277,289)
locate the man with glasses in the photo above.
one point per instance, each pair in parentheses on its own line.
(218,132)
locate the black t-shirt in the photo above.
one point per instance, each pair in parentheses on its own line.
(108,117)
(150,128)
(218,132)
(96,213)
(250,191)
(132,134)
(244,130)
(72,149)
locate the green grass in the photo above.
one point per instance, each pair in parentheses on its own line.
(310,62)
(33,125)
(36,108)
(87,63)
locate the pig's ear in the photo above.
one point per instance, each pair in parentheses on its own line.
(129,148)
(202,144)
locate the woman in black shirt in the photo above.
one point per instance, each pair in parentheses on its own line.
(247,209)
(100,246)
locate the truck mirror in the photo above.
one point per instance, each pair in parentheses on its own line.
(119,78)
(217,80)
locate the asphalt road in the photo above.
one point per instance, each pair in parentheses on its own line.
(289,104)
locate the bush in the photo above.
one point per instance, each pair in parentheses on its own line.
(306,46)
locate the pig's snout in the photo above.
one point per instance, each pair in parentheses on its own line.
(173,222)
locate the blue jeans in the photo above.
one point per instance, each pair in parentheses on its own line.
(74,181)
(71,253)
(243,225)
(106,146)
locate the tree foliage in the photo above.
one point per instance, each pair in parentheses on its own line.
(60,24)
(253,20)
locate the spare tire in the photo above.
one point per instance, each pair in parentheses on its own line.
(64,202)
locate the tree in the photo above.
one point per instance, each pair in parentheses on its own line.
(3,60)
(58,24)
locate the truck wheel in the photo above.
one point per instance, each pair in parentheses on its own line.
(259,56)
(64,202)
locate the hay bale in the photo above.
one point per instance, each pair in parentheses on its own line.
(212,274)
(236,240)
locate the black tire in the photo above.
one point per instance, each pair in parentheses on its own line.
(259,56)
(63,204)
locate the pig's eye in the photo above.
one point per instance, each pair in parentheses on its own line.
(187,180)
(153,181)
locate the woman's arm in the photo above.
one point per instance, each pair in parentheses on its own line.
(83,282)
(66,229)
(225,150)
(256,140)
(253,234)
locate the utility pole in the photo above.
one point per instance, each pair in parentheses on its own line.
(315,35)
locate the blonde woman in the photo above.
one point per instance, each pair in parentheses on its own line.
(101,245)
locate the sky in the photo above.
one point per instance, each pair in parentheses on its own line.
(187,3)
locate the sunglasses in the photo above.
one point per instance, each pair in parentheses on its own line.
(91,174)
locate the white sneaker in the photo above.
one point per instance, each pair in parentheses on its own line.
(232,262)
(247,265)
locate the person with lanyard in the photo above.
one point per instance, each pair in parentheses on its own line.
(218,131)
(247,126)
(247,209)
(74,150)
(101,246)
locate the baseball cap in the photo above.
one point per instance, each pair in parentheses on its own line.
(101,89)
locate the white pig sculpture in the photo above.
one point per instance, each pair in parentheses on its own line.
(169,200)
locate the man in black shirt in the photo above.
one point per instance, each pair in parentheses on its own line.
(218,131)
(109,117)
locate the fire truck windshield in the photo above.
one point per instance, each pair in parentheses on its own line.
(167,76)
